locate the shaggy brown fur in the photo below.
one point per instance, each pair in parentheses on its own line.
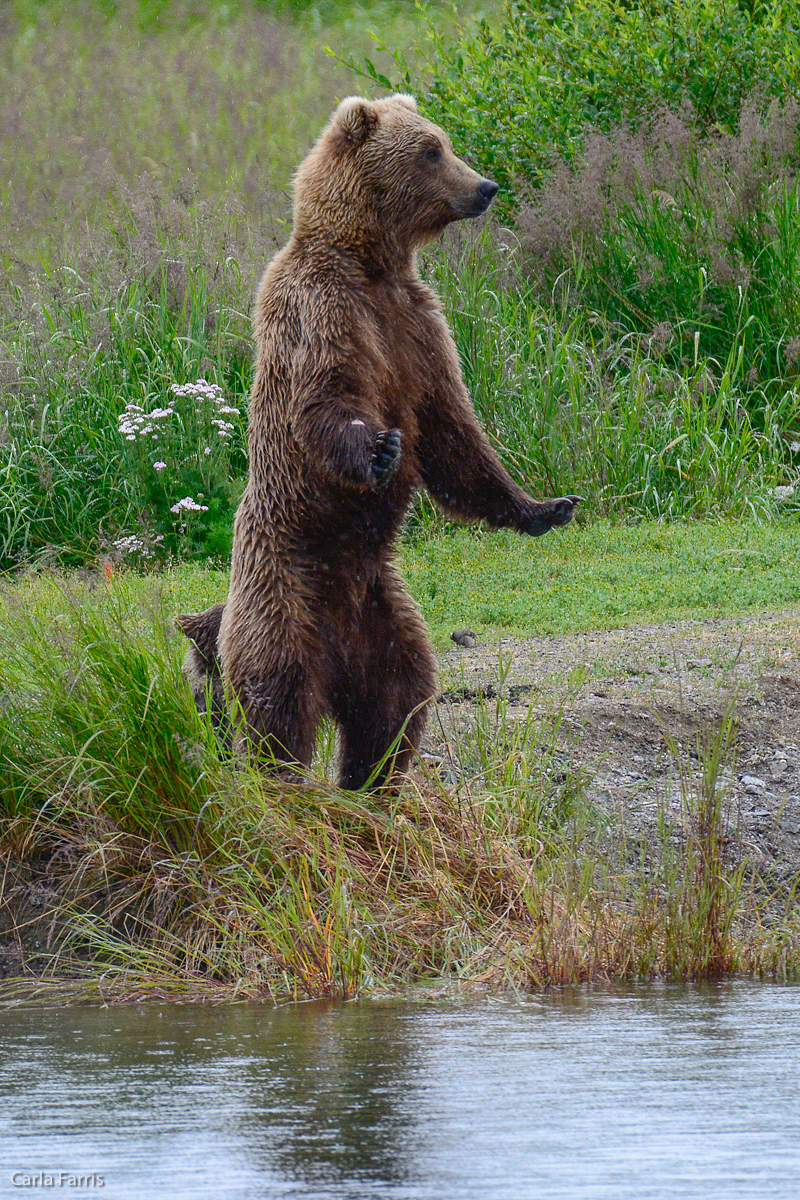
(200,663)
(358,400)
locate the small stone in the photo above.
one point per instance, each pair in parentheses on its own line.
(752,784)
(789,826)
(778,767)
(436,764)
(697,663)
(464,637)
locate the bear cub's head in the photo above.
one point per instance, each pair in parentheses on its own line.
(380,168)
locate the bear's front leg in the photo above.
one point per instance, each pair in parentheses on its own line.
(465,475)
(338,434)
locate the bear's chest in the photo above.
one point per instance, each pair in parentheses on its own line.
(412,338)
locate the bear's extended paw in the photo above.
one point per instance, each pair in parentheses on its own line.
(385,457)
(551,513)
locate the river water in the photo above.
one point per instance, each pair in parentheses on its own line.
(651,1092)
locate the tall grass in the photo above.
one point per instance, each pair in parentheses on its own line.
(612,342)
(138,859)
(575,401)
(210,101)
(682,237)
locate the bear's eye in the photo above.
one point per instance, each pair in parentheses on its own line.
(433,154)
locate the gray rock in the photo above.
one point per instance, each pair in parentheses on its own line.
(752,784)
(436,764)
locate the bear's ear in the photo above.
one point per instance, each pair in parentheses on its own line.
(356,118)
(404,99)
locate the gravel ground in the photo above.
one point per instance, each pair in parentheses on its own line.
(630,685)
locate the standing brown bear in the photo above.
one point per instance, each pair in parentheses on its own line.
(357,401)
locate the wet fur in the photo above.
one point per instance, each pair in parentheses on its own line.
(357,401)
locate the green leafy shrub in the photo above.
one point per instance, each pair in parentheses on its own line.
(513,94)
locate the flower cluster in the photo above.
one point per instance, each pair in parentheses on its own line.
(197,431)
(189,504)
(135,423)
(134,545)
(203,390)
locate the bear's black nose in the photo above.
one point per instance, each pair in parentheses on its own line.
(488,189)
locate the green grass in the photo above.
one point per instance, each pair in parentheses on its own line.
(572,407)
(595,576)
(600,576)
(131,247)
(140,862)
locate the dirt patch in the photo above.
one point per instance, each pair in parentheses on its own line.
(629,691)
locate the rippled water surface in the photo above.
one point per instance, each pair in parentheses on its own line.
(657,1092)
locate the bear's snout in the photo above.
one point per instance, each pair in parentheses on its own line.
(487,190)
(478,200)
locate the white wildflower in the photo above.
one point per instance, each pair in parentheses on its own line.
(782,492)
(189,504)
(159,466)
(794,447)
(133,545)
(207,450)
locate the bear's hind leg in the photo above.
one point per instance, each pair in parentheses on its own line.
(282,709)
(388,678)
(277,680)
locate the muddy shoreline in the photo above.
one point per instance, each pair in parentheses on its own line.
(626,693)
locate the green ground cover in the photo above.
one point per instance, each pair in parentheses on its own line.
(596,576)
(601,576)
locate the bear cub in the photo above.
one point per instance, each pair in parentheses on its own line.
(357,402)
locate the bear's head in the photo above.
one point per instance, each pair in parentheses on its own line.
(384,180)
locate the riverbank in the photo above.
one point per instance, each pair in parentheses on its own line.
(607,805)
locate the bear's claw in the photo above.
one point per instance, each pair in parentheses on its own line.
(385,457)
(553,513)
